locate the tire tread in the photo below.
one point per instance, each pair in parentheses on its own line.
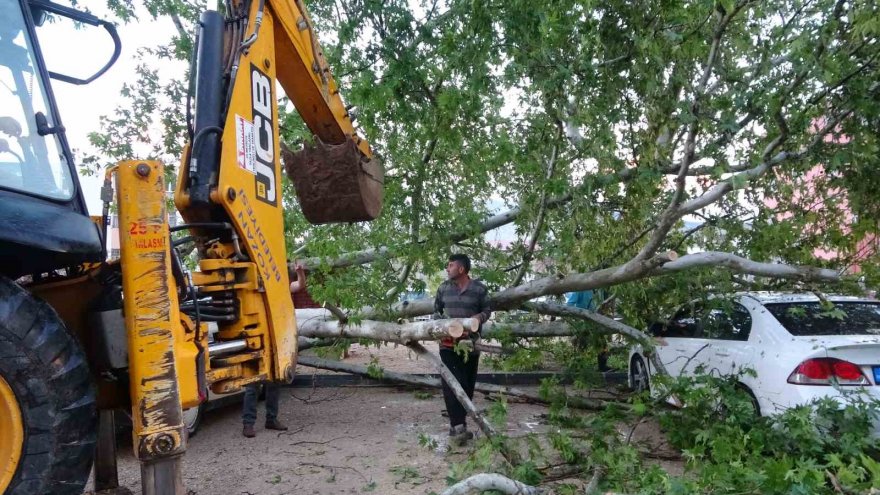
(51,380)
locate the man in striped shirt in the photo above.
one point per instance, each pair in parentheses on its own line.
(460,296)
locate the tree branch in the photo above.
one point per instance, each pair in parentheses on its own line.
(485,482)
(576,402)
(742,265)
(387,331)
(539,224)
(719,190)
(487,429)
(513,297)
(670,216)
(611,325)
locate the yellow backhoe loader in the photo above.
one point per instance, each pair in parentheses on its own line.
(81,335)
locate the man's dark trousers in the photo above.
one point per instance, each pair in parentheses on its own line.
(465,371)
(249,409)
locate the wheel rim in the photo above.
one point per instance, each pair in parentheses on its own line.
(11,434)
(639,376)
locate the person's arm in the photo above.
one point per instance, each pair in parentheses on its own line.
(485,307)
(438,305)
(300,282)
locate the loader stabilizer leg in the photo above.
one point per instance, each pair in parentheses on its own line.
(106,473)
(162,476)
(152,317)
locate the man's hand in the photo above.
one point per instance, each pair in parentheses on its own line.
(10,126)
(300,282)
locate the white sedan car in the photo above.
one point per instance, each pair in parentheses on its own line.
(800,348)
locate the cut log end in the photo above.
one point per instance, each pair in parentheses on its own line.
(455,329)
(475,325)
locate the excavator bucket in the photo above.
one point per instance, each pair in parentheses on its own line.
(335,183)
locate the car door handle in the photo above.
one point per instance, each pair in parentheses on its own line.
(723,354)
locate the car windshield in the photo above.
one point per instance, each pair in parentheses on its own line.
(29,162)
(840,318)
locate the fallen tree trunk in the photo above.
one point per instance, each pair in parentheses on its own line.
(401,333)
(320,323)
(456,388)
(660,264)
(609,324)
(430,382)
(484,482)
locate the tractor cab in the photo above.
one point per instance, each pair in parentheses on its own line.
(44,223)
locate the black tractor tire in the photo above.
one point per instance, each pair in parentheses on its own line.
(46,369)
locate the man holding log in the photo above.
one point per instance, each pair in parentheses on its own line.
(460,296)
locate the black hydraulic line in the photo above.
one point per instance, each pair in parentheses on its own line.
(215,225)
(190,89)
(243,48)
(182,240)
(201,379)
(178,273)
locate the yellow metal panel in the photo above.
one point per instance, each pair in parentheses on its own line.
(249,189)
(152,316)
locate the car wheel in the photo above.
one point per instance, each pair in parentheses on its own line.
(752,399)
(192,418)
(638,374)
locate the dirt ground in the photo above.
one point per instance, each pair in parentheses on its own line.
(342,440)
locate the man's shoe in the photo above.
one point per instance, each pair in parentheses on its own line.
(459,435)
(274,424)
(248,431)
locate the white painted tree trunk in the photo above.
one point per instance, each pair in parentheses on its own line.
(319,325)
(484,482)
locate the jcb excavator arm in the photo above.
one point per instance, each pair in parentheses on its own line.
(229,196)
(305,76)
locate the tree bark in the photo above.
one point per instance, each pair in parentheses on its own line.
(576,402)
(513,298)
(401,333)
(319,323)
(742,265)
(484,482)
(459,392)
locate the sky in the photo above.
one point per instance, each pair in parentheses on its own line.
(81,52)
